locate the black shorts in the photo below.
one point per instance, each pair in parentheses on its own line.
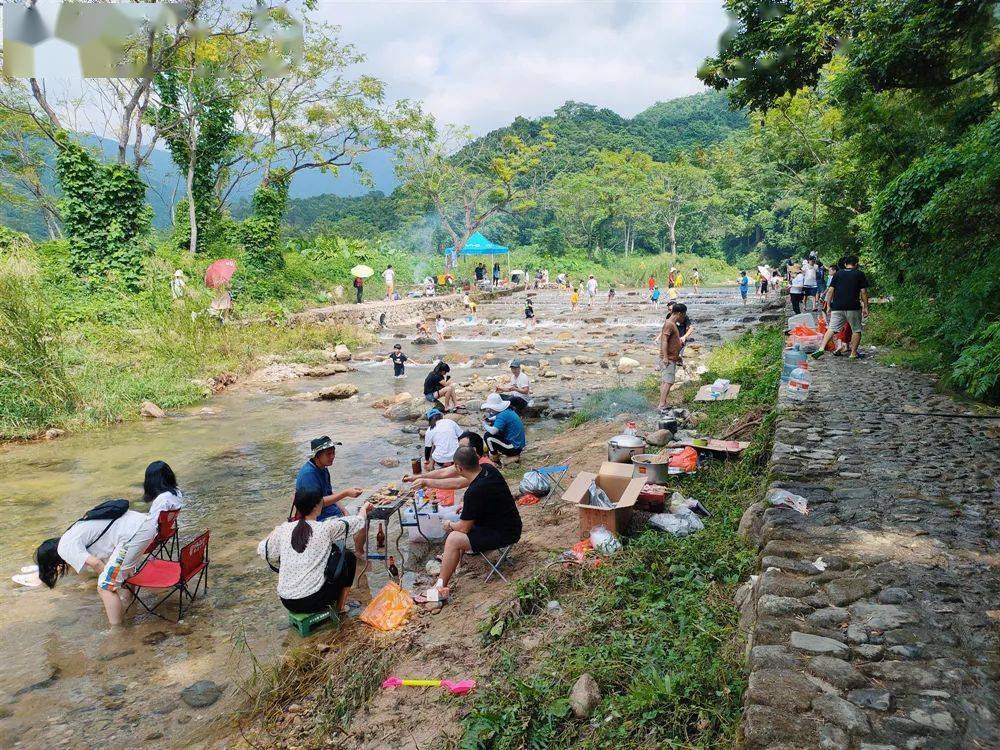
(398,370)
(484,540)
(329,592)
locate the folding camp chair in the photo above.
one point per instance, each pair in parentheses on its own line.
(166,574)
(502,554)
(166,540)
(555,475)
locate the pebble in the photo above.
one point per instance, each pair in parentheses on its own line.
(201,694)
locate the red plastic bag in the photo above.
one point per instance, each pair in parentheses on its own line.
(686,460)
(390,608)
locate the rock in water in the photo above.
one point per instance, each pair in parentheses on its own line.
(151,410)
(584,696)
(424,341)
(54,432)
(334,392)
(389,462)
(332,368)
(342,353)
(525,342)
(626,365)
(400,412)
(201,694)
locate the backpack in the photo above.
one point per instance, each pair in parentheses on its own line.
(109,510)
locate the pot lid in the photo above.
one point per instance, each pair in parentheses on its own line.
(628,441)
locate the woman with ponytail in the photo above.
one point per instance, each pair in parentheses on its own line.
(302,549)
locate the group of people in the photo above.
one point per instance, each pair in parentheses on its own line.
(481,274)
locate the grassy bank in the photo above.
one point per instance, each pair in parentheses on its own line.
(73,356)
(656,625)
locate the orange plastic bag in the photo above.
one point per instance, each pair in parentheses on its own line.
(446,498)
(528,499)
(801,330)
(686,460)
(390,608)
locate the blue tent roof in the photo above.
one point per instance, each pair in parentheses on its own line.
(479,245)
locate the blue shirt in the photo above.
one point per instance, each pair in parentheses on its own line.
(656,294)
(510,428)
(744,283)
(311,476)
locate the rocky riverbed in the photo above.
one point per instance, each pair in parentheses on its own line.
(873,622)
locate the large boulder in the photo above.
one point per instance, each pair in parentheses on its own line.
(424,341)
(342,353)
(627,365)
(322,371)
(335,392)
(151,410)
(525,342)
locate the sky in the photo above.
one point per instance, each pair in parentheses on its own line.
(482,63)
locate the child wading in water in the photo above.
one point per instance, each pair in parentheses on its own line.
(574,299)
(529,316)
(398,358)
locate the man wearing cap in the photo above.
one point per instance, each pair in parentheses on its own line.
(504,428)
(516,391)
(315,474)
(441,440)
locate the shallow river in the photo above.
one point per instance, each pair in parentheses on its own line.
(67,680)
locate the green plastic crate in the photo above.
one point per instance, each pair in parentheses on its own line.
(308,622)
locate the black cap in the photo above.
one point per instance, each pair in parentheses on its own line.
(321,444)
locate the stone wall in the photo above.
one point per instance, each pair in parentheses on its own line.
(872,622)
(369,314)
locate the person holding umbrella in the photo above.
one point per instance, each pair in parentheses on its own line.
(360,273)
(217,276)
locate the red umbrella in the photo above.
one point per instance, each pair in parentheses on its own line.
(219,273)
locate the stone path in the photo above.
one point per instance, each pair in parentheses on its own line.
(894,644)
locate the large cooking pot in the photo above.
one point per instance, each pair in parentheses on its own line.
(621,448)
(655,469)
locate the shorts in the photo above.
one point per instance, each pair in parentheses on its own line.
(743,293)
(114,573)
(398,370)
(668,372)
(482,539)
(432,397)
(763,287)
(808,291)
(851,317)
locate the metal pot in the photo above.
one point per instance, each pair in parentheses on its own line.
(669,423)
(621,448)
(654,472)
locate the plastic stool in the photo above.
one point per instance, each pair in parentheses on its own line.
(310,621)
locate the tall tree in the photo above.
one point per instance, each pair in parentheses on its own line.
(676,189)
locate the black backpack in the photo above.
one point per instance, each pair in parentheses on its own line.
(109,510)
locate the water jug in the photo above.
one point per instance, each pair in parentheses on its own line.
(790,359)
(798,384)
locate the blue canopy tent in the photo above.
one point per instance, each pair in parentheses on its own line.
(479,245)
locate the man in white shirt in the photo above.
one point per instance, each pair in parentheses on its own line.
(517,389)
(389,275)
(591,290)
(441,440)
(809,281)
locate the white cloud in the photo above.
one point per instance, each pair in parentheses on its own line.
(483,63)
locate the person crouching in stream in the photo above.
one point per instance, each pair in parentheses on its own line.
(315,569)
(111,540)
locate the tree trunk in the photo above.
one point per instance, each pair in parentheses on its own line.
(673,239)
(192,209)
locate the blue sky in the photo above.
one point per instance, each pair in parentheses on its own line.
(483,63)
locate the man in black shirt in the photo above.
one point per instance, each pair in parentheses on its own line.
(489,518)
(847,301)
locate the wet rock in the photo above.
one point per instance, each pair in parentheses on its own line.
(565,360)
(584,696)
(424,341)
(157,636)
(116,654)
(842,713)
(342,353)
(525,342)
(322,371)
(401,412)
(817,644)
(54,432)
(335,392)
(389,462)
(41,684)
(201,694)
(150,410)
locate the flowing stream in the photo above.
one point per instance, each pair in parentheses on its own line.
(70,681)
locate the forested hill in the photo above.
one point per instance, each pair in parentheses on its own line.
(663,131)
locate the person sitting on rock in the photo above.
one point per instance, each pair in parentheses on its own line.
(439,388)
(112,541)
(517,389)
(489,519)
(505,428)
(302,548)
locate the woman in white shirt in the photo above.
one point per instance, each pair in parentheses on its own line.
(796,289)
(112,548)
(301,550)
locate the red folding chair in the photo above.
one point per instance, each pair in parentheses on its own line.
(166,539)
(176,576)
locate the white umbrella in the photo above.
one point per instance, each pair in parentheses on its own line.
(362,272)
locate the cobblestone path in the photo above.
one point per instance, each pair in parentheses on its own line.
(894,644)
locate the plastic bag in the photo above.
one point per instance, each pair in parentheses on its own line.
(789,500)
(679,503)
(390,608)
(535,484)
(598,497)
(686,460)
(679,523)
(604,541)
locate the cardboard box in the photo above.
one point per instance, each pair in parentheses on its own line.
(616,480)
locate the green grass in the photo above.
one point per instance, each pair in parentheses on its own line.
(655,626)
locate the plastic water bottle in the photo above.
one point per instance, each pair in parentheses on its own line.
(790,359)
(798,384)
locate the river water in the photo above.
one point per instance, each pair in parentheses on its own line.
(67,680)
